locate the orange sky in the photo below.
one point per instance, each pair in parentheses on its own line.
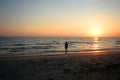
(72,18)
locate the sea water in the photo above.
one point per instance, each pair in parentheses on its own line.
(55,45)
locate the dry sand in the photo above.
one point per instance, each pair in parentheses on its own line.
(103,65)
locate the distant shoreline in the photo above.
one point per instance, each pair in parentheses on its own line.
(37,56)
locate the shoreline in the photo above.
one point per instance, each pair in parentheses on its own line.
(39,56)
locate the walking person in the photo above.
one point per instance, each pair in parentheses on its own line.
(66,46)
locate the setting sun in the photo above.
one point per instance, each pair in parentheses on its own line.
(96,32)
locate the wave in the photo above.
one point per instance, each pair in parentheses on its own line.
(20,44)
(117,42)
(42,47)
(24,48)
(84,42)
(47,43)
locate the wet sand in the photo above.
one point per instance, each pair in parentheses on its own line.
(104,65)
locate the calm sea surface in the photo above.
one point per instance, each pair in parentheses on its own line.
(55,45)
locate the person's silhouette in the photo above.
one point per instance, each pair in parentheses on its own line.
(66,46)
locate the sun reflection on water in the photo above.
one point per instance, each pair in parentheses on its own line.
(96,45)
(96,39)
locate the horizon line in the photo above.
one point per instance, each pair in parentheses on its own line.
(60,36)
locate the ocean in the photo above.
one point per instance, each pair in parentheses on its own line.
(55,45)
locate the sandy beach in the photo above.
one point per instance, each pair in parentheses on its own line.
(100,65)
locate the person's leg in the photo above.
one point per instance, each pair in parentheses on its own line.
(66,50)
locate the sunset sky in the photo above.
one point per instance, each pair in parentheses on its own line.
(72,18)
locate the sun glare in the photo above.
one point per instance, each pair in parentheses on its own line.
(96,32)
